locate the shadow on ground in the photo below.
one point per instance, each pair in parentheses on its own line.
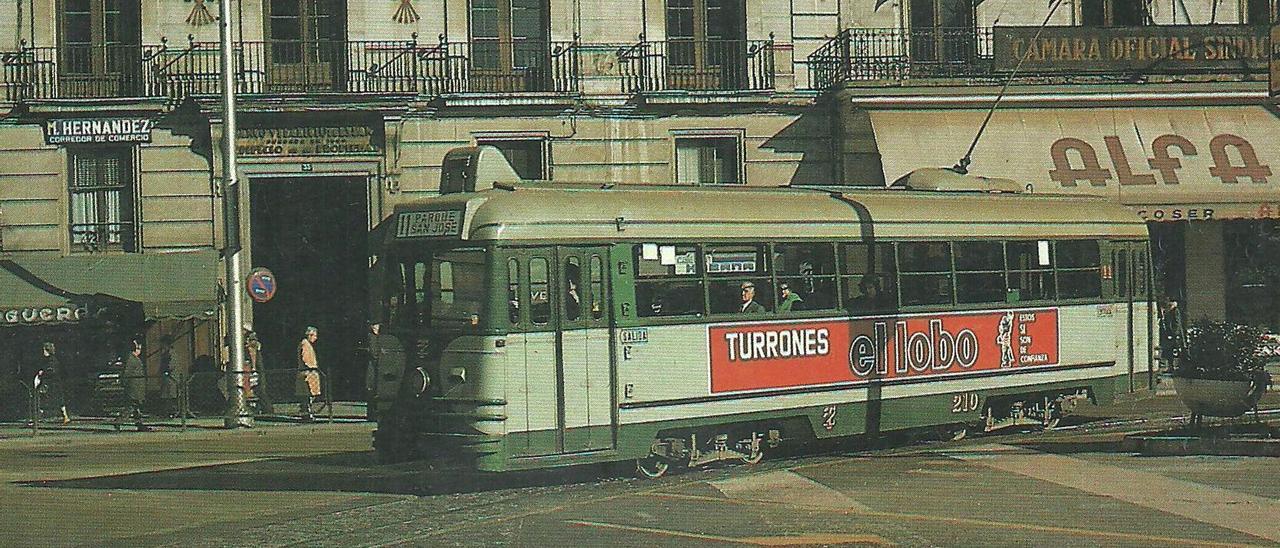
(355,472)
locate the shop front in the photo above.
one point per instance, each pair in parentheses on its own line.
(1207,178)
(90,308)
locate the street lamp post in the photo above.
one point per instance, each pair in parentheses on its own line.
(237,408)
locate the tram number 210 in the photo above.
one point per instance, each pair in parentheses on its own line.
(964,403)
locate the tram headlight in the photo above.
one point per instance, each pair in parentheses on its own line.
(423,382)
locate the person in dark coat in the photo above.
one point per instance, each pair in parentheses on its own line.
(134,378)
(48,381)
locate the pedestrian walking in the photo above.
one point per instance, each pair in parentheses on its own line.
(372,369)
(255,370)
(134,377)
(308,380)
(48,382)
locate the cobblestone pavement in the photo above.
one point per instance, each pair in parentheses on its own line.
(284,484)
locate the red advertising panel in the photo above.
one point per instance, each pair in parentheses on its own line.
(782,355)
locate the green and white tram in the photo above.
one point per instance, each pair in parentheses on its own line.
(541,325)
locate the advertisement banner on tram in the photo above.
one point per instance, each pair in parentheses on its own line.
(762,356)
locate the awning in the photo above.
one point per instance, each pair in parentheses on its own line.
(1166,163)
(165,285)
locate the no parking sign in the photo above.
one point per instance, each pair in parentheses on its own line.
(261,285)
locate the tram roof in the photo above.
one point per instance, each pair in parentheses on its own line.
(546,211)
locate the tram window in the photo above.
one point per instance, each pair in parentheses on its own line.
(924,257)
(925,269)
(444,277)
(808,272)
(1031,286)
(539,291)
(1079,284)
(457,285)
(926,289)
(868,278)
(513,290)
(730,296)
(597,287)
(669,298)
(979,272)
(1031,276)
(1077,253)
(655,260)
(572,289)
(1079,269)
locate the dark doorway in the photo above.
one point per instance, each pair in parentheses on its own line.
(311,232)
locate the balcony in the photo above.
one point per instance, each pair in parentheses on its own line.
(289,67)
(698,65)
(1102,54)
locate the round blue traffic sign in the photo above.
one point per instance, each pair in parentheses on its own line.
(261,285)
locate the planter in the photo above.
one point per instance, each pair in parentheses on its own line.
(1215,398)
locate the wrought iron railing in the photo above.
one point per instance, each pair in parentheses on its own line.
(286,67)
(897,54)
(698,65)
(969,53)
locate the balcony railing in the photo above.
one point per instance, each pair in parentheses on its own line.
(698,65)
(898,54)
(280,67)
(1214,51)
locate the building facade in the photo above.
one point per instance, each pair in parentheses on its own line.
(111,218)
(110,123)
(1162,106)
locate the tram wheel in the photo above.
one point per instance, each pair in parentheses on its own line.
(955,433)
(651,467)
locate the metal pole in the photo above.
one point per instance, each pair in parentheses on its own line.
(237,409)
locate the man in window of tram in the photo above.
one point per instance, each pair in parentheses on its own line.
(749,304)
(872,298)
(790,300)
(572,301)
(308,385)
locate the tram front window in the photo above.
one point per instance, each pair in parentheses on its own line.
(441,289)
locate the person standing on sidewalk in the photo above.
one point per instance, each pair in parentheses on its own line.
(134,376)
(308,384)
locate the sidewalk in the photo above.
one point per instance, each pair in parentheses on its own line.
(285,415)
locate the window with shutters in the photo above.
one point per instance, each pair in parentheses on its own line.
(102,199)
(708,160)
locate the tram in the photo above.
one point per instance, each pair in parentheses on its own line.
(539,325)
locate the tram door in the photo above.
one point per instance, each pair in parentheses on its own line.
(583,352)
(1132,288)
(568,367)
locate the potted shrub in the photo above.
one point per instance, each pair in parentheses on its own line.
(1222,371)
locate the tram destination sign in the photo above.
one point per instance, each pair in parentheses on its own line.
(65,131)
(429,224)
(1152,49)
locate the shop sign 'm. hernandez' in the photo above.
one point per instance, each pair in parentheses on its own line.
(98,130)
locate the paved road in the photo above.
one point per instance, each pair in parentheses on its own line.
(317,485)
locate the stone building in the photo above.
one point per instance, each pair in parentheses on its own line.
(110,217)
